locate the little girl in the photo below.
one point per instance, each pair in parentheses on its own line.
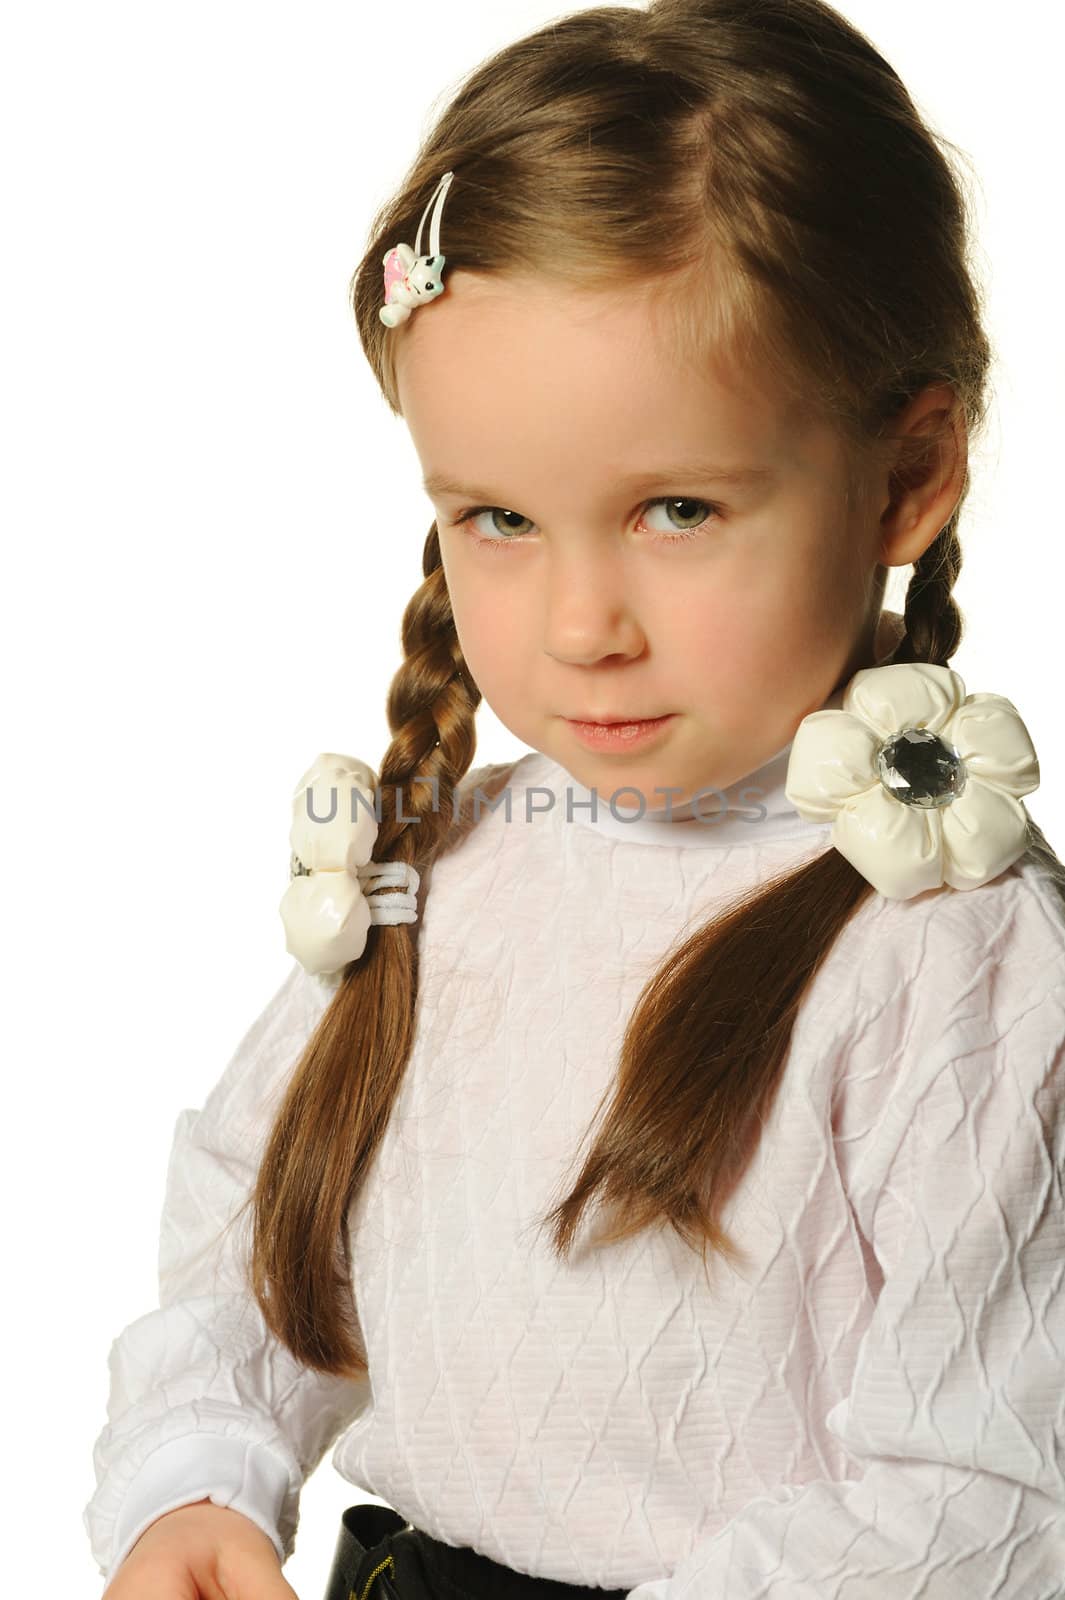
(649,1175)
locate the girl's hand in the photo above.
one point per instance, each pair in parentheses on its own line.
(201,1552)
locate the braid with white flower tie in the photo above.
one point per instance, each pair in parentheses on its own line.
(922,782)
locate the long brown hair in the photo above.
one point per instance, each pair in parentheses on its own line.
(764,167)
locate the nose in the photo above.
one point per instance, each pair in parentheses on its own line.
(589,612)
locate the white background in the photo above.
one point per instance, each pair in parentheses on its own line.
(213,525)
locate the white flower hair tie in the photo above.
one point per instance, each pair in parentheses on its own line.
(921,782)
(327,908)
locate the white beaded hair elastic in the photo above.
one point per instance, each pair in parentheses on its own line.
(922,783)
(412,279)
(327,908)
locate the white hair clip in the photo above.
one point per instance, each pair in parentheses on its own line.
(411,279)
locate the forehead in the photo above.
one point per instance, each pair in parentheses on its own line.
(505,368)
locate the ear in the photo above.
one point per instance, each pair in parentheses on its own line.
(925,473)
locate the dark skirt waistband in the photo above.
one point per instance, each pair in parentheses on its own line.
(380,1556)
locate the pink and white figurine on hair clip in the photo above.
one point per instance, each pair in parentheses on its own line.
(411,279)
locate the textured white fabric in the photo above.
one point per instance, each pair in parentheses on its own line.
(234,1472)
(872,1409)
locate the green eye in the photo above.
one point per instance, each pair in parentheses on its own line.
(705,513)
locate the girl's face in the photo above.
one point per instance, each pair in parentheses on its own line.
(613,575)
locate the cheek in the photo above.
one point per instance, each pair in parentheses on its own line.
(723,633)
(760,642)
(487,636)
(487,598)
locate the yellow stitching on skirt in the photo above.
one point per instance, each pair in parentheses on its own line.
(387,1562)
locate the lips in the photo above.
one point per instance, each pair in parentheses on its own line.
(609,720)
(621,738)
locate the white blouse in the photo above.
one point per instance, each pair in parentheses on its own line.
(872,1407)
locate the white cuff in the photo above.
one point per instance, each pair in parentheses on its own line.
(245,1476)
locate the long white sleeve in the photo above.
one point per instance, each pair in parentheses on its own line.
(952,1142)
(203,1400)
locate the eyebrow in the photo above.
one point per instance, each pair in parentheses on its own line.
(440,483)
